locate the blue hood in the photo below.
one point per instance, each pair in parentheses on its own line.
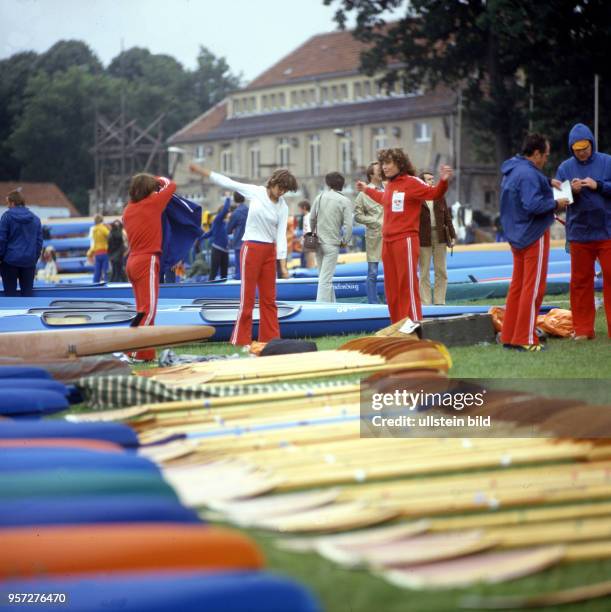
(581,132)
(20,214)
(512,163)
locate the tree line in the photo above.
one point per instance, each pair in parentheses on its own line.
(48,104)
(519,64)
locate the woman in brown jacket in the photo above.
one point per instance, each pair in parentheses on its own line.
(436,235)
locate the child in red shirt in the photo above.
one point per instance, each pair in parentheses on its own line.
(402,199)
(149,195)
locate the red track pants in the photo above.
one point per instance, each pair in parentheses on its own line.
(583,258)
(400,258)
(258,270)
(143,274)
(526,292)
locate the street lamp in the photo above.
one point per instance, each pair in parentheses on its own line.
(178,152)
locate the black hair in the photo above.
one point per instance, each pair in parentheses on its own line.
(534,142)
(335,181)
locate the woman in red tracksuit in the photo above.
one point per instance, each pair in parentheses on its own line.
(149,195)
(402,199)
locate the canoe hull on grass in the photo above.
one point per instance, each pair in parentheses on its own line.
(307,320)
(59,343)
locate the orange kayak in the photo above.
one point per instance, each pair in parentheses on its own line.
(36,551)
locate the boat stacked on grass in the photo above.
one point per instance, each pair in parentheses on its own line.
(87,517)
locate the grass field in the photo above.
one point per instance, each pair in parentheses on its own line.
(342,590)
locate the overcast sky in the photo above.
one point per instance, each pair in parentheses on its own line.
(251,34)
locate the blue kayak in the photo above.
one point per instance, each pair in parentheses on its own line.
(127,508)
(54,428)
(310,319)
(23,402)
(460,259)
(495,267)
(72,265)
(63,229)
(30,459)
(193,591)
(62,245)
(295,289)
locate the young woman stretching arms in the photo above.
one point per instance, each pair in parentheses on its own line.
(264,241)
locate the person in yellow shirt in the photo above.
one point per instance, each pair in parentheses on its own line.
(98,251)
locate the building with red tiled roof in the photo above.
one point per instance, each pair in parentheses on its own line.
(43,199)
(315,112)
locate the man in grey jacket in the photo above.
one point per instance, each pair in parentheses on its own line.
(331,211)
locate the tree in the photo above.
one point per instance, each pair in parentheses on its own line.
(67,54)
(53,135)
(14,74)
(492,50)
(212,79)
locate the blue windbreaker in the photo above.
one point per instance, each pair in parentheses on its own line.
(527,202)
(218,229)
(181,224)
(237,224)
(589,217)
(20,237)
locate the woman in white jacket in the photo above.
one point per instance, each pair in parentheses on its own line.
(264,242)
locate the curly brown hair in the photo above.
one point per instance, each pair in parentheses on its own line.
(284,179)
(400,158)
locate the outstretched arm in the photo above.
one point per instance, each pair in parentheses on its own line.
(224,181)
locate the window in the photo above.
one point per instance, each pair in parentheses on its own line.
(489,198)
(379,139)
(264,103)
(200,152)
(284,152)
(226,161)
(324,95)
(273,101)
(343,92)
(357,91)
(346,153)
(303,97)
(281,100)
(367,89)
(422,132)
(236,107)
(293,99)
(312,97)
(314,146)
(334,93)
(255,161)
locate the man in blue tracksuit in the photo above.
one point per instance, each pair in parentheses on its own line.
(219,241)
(236,226)
(527,212)
(20,246)
(588,225)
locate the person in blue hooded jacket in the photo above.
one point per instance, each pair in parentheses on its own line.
(219,252)
(20,246)
(237,226)
(588,225)
(527,212)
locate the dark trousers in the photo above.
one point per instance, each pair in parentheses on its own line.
(219,260)
(117,270)
(12,274)
(237,264)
